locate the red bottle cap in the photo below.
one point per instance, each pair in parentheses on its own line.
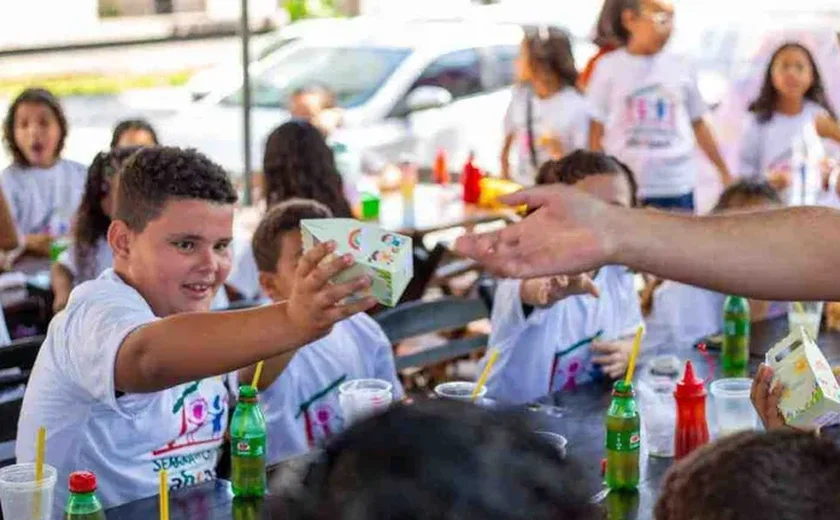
(82,482)
(603,467)
(689,385)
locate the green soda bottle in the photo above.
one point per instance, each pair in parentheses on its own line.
(735,354)
(623,438)
(247,446)
(82,503)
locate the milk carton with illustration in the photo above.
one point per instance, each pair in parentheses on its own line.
(384,256)
(811,395)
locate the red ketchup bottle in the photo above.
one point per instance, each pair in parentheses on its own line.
(692,430)
(471,177)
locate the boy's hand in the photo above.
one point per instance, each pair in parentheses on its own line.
(766,401)
(315,303)
(544,292)
(39,244)
(613,356)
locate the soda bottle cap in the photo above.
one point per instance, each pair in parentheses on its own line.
(620,387)
(247,392)
(82,482)
(690,385)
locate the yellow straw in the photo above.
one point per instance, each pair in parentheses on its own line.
(164,495)
(798,307)
(631,366)
(257,374)
(494,354)
(40,442)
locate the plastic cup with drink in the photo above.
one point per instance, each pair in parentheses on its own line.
(23,496)
(732,407)
(807,315)
(459,391)
(361,398)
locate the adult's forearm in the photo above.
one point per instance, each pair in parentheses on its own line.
(776,255)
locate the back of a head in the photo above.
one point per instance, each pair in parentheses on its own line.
(280,219)
(746,194)
(298,163)
(550,52)
(580,164)
(779,475)
(442,460)
(151,177)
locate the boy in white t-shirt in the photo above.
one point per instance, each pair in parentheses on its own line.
(128,379)
(300,389)
(548,343)
(647,110)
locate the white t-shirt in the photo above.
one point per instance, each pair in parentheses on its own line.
(562,116)
(124,440)
(244,275)
(44,200)
(549,350)
(768,146)
(647,105)
(102,256)
(301,407)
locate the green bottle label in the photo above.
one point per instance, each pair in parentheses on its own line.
(623,440)
(251,447)
(736,326)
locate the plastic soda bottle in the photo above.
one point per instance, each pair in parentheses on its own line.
(82,503)
(735,354)
(247,446)
(623,438)
(692,430)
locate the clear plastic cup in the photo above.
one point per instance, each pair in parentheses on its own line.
(556,440)
(459,390)
(361,398)
(807,315)
(732,407)
(22,497)
(658,407)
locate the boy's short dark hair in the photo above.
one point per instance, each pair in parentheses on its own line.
(747,189)
(442,460)
(779,475)
(280,219)
(153,176)
(580,164)
(38,96)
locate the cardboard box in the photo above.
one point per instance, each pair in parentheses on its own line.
(385,256)
(811,396)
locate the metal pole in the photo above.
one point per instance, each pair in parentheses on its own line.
(246,101)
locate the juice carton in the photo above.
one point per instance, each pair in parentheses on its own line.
(811,394)
(384,256)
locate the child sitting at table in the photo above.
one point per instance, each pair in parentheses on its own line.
(547,345)
(297,164)
(130,378)
(780,475)
(677,314)
(441,460)
(300,389)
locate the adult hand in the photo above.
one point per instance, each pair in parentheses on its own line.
(570,232)
(544,292)
(766,400)
(613,356)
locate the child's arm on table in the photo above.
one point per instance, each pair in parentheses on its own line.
(709,146)
(191,346)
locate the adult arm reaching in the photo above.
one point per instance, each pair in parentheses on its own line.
(790,254)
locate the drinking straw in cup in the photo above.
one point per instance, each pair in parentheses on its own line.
(257,374)
(164,495)
(807,315)
(485,374)
(460,390)
(22,496)
(631,366)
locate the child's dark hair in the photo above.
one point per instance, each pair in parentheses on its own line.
(550,51)
(280,219)
(299,164)
(153,176)
(441,460)
(765,104)
(583,163)
(777,475)
(616,10)
(135,125)
(744,190)
(605,27)
(39,96)
(91,222)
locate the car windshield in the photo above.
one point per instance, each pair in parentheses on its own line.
(353,74)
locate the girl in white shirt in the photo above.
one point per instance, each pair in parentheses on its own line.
(547,345)
(547,115)
(43,190)
(792,104)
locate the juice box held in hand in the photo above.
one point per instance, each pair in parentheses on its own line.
(811,394)
(384,256)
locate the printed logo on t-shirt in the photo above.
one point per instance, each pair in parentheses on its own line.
(321,417)
(570,366)
(650,116)
(202,417)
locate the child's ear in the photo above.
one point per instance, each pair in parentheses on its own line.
(119,238)
(269,286)
(628,16)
